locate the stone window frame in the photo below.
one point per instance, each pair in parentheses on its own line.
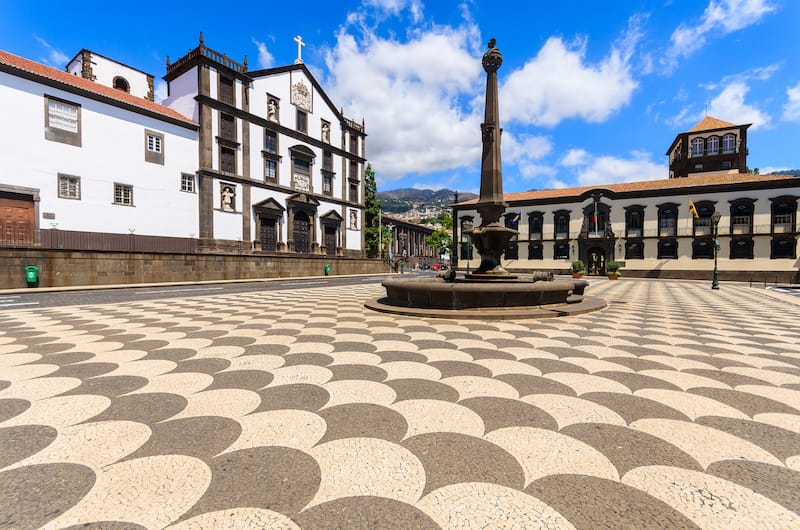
(121,198)
(59,134)
(65,177)
(705,209)
(223,148)
(664,209)
(304,155)
(188,178)
(276,144)
(729,138)
(532,218)
(270,166)
(712,145)
(697,147)
(327,183)
(630,213)
(154,150)
(222,80)
(352,193)
(126,87)
(301,121)
(561,217)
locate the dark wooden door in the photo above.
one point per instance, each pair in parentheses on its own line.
(330,240)
(16,220)
(302,233)
(268,234)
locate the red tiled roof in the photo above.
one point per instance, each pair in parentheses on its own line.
(709,123)
(644,185)
(40,70)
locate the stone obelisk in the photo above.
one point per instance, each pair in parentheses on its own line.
(491,238)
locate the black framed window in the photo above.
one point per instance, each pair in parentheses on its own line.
(634,222)
(561,224)
(668,249)
(271,142)
(226,90)
(668,220)
(302,121)
(634,249)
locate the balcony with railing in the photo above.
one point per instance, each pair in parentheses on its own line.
(204,51)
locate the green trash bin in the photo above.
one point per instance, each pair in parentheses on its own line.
(327,269)
(32,275)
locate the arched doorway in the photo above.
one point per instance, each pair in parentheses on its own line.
(596,265)
(302,233)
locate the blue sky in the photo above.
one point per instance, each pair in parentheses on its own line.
(590,92)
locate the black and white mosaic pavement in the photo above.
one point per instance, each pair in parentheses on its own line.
(676,407)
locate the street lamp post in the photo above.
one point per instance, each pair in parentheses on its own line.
(715,217)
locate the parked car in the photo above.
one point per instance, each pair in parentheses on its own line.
(435,267)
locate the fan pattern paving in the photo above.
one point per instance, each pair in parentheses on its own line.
(675,407)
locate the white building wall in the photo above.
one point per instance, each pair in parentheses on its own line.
(105,70)
(112,150)
(227,225)
(182,92)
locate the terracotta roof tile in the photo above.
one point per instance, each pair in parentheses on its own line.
(38,69)
(709,122)
(644,185)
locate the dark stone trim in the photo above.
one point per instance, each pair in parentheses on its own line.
(55,134)
(153,156)
(228,143)
(273,126)
(271,186)
(94,96)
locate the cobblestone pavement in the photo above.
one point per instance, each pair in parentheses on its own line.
(676,407)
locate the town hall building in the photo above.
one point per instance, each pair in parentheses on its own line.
(660,228)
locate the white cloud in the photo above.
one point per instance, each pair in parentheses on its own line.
(265,58)
(54,57)
(610,169)
(558,84)
(719,18)
(525,154)
(396,7)
(729,105)
(417,97)
(791,109)
(574,157)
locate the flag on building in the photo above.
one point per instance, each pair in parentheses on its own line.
(596,228)
(693,210)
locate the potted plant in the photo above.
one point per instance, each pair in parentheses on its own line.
(613,270)
(577,268)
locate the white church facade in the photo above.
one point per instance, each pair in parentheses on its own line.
(233,160)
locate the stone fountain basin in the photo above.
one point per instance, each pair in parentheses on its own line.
(436,293)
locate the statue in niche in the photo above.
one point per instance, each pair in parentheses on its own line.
(228,199)
(326,132)
(353,220)
(272,110)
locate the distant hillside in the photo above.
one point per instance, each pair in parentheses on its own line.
(787,172)
(406,199)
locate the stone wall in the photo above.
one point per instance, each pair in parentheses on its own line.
(59,268)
